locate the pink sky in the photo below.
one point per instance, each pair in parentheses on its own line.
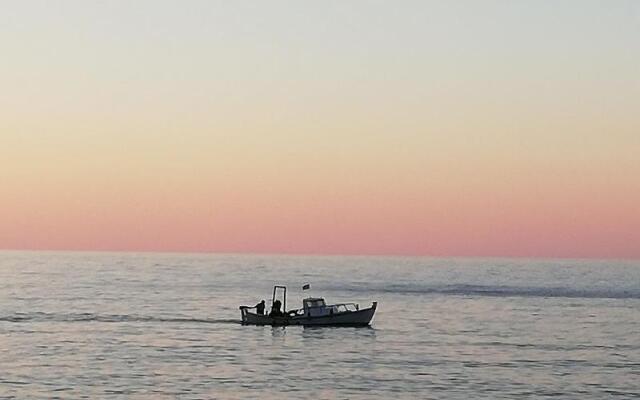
(474,213)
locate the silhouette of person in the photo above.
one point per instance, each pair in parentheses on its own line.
(260,307)
(275,309)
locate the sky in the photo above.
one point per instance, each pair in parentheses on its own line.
(436,128)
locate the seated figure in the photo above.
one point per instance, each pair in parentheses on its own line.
(275,309)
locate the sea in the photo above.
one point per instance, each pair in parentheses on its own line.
(77,325)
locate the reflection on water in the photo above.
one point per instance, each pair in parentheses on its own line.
(150,326)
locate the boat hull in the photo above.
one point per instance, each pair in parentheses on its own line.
(350,318)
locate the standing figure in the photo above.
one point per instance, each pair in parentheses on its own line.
(260,308)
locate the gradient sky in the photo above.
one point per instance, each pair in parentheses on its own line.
(469,128)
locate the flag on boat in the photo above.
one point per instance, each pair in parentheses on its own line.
(306,286)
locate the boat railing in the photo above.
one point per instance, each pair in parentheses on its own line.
(245,309)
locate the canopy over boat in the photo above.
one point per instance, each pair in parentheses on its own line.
(314,312)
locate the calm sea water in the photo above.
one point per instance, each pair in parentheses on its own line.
(165,326)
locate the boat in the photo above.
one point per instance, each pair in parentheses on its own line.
(314,312)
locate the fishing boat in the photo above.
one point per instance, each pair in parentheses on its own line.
(314,312)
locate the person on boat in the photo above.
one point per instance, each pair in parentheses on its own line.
(260,307)
(275,309)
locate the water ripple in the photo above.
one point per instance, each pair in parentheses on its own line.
(88,317)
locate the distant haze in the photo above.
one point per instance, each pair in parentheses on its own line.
(467,128)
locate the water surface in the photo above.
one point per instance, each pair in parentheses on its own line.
(156,326)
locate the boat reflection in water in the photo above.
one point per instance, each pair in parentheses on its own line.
(314,312)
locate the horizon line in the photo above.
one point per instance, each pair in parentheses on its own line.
(305,254)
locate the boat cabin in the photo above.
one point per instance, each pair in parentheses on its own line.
(314,307)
